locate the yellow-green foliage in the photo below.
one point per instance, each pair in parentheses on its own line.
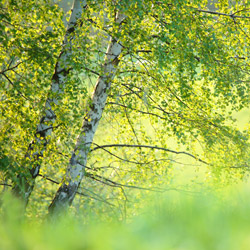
(181,75)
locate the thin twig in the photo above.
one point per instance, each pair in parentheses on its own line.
(80,193)
(14,86)
(5,184)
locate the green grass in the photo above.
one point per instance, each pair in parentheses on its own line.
(171,221)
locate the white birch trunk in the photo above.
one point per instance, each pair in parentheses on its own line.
(25,184)
(76,167)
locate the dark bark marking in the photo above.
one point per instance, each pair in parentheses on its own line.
(73,159)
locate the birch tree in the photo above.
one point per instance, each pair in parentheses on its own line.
(25,181)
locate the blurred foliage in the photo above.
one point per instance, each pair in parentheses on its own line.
(201,220)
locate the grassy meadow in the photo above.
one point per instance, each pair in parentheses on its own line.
(197,220)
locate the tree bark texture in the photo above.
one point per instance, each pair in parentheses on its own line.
(76,167)
(25,182)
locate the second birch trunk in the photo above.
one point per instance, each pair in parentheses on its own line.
(76,167)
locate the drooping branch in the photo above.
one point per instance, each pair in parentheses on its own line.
(79,193)
(223,14)
(150,147)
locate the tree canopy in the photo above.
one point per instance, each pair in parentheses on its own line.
(116,101)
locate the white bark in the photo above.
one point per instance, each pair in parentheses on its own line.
(25,185)
(76,167)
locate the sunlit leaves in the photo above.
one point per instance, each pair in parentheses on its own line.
(30,40)
(181,75)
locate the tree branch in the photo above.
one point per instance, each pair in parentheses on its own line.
(150,147)
(20,93)
(222,14)
(5,184)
